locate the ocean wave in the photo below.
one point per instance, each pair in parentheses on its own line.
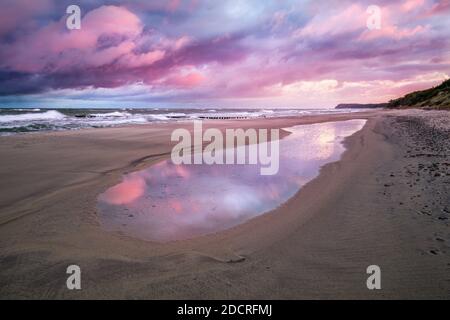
(22,109)
(111,114)
(111,122)
(158,117)
(29,120)
(175,114)
(48,115)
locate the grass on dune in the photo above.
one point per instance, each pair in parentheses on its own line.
(434,98)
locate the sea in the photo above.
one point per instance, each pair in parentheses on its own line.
(28,120)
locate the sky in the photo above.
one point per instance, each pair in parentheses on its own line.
(228,53)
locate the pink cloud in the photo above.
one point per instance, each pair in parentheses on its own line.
(132,60)
(410,5)
(181,42)
(17,12)
(350,19)
(285,51)
(441,7)
(391,17)
(58,47)
(186,80)
(173,5)
(393,32)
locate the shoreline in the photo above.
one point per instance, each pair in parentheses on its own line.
(57,120)
(135,134)
(48,221)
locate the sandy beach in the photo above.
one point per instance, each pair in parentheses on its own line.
(386,202)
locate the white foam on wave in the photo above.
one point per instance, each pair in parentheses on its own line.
(54,120)
(111,114)
(158,117)
(110,122)
(175,114)
(48,115)
(22,109)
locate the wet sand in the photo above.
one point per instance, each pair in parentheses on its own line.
(385,203)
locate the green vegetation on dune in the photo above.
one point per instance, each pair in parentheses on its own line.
(433,98)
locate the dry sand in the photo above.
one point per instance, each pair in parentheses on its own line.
(386,202)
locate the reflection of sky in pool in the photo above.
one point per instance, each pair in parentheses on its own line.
(173,202)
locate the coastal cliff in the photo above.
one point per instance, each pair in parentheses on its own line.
(434,98)
(361,105)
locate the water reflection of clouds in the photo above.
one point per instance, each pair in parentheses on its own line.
(169,202)
(128,191)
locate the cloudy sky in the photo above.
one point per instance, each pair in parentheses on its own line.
(236,53)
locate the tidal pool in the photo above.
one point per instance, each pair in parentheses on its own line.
(168,202)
